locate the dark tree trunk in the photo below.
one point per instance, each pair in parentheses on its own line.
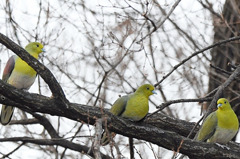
(226,27)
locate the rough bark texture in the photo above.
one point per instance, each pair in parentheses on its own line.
(159,129)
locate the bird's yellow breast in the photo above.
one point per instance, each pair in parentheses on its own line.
(22,67)
(137,107)
(227,119)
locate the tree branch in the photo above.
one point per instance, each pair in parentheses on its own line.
(221,88)
(195,54)
(168,103)
(163,21)
(60,142)
(149,130)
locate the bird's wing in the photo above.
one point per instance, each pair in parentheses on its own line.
(9,68)
(119,106)
(208,128)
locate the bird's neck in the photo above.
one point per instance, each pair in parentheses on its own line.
(141,94)
(22,67)
(34,54)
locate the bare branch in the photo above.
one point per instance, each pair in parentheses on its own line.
(162,22)
(98,135)
(60,142)
(220,90)
(195,54)
(166,104)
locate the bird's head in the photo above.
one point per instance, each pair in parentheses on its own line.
(34,47)
(223,104)
(146,89)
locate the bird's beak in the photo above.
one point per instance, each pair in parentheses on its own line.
(43,50)
(154,92)
(219,105)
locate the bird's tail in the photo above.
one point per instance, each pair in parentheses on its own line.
(6,114)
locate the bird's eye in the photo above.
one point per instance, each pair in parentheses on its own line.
(37,45)
(225,102)
(147,88)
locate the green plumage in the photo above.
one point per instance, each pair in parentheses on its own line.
(220,126)
(134,106)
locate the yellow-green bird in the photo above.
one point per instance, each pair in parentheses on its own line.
(20,75)
(220,126)
(134,106)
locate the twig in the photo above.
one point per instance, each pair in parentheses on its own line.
(182,156)
(46,124)
(210,94)
(144,15)
(158,26)
(220,69)
(178,149)
(5,156)
(231,65)
(72,138)
(96,143)
(195,54)
(224,71)
(60,142)
(24,122)
(166,104)
(221,88)
(131,147)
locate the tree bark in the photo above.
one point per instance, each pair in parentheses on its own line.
(226,26)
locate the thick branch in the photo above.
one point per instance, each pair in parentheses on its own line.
(172,140)
(47,125)
(148,130)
